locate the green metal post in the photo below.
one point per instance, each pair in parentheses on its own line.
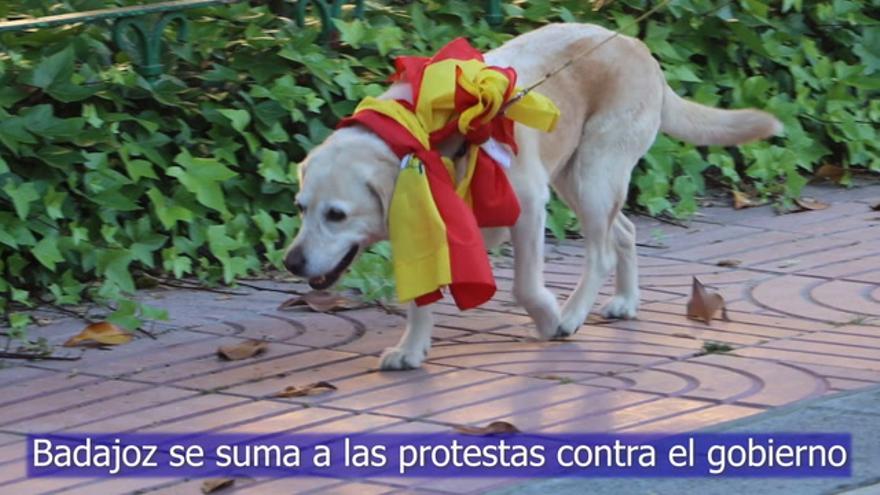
(327,11)
(146,47)
(494,14)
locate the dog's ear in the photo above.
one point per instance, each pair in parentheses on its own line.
(301,172)
(381,190)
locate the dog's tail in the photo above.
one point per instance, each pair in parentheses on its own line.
(702,125)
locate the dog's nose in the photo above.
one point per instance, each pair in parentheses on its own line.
(295,261)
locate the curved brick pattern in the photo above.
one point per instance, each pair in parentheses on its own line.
(852,297)
(805,321)
(790,295)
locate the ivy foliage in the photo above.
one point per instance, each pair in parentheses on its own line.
(105,177)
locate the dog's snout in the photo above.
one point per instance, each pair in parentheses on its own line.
(295,261)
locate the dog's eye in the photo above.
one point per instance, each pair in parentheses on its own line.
(335,215)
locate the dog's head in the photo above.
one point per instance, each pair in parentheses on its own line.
(345,190)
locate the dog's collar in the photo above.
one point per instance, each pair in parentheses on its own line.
(500,153)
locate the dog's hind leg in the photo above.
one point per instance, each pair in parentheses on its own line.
(625,303)
(596,208)
(594,184)
(413,346)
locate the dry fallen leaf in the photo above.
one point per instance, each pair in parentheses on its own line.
(316,388)
(598,4)
(742,200)
(834,173)
(729,263)
(322,301)
(216,484)
(594,319)
(493,428)
(104,333)
(243,350)
(549,377)
(704,305)
(810,204)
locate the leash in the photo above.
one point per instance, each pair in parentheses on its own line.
(586,53)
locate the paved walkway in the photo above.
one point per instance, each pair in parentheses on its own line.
(805,322)
(855,412)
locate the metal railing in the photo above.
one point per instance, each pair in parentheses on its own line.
(137,29)
(140,29)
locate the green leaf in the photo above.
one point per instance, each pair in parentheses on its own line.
(113,265)
(869,50)
(22,196)
(681,73)
(759,7)
(202,176)
(207,192)
(559,219)
(52,69)
(178,265)
(90,114)
(47,253)
(749,37)
(351,33)
(239,118)
(153,313)
(204,168)
(138,169)
(272,168)
(14,231)
(54,201)
(13,134)
(11,95)
(387,38)
(19,320)
(126,315)
(168,212)
(69,93)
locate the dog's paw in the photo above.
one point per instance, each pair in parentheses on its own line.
(621,307)
(398,358)
(544,311)
(567,328)
(546,328)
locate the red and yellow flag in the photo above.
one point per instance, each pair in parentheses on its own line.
(434,219)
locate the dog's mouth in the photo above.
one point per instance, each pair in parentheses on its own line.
(330,278)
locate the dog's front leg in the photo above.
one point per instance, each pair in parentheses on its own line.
(528,277)
(413,346)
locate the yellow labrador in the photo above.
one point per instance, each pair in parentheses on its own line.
(613,103)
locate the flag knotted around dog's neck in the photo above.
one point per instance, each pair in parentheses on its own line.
(434,220)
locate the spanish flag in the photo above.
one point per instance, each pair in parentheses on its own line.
(435,218)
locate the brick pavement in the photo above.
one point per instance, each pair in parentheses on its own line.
(805,322)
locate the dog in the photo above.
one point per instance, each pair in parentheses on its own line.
(613,104)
